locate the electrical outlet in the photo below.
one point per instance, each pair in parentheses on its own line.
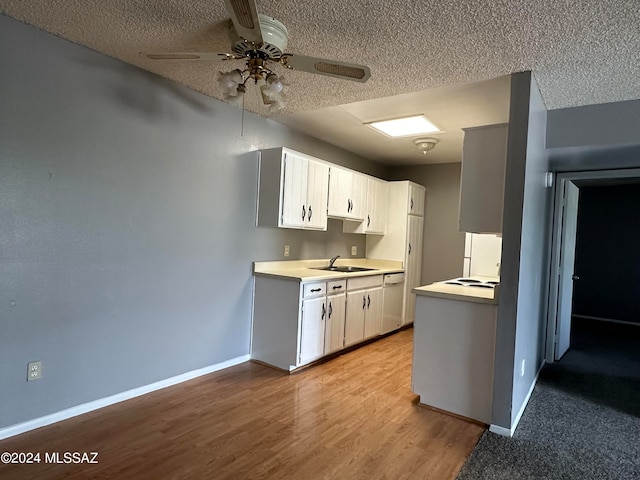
(34,370)
(522,368)
(286,250)
(354,250)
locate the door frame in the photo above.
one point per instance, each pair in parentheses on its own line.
(589,176)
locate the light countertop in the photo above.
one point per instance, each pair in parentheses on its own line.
(302,270)
(462,293)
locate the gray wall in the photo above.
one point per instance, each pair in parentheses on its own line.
(594,137)
(443,248)
(127,208)
(594,125)
(534,256)
(523,284)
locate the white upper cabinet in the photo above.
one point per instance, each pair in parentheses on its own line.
(317,195)
(416,199)
(484,158)
(347,194)
(375,217)
(293,190)
(359,196)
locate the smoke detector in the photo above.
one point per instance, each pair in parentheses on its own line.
(425,144)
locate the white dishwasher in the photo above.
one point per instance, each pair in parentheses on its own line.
(393,293)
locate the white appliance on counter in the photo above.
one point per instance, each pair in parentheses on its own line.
(393,298)
(482,254)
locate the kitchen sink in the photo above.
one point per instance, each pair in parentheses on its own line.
(343,268)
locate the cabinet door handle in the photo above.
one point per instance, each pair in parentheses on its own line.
(310,213)
(348,205)
(313,290)
(330,310)
(368,301)
(364,302)
(337,287)
(411,203)
(304,213)
(409,248)
(324,310)
(368,220)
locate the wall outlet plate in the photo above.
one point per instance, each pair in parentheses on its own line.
(286,250)
(34,371)
(354,250)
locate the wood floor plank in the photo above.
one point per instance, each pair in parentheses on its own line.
(351,417)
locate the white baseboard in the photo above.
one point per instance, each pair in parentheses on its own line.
(508,432)
(505,432)
(118,397)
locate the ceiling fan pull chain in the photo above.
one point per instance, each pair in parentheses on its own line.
(242,118)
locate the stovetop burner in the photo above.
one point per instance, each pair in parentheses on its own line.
(471,282)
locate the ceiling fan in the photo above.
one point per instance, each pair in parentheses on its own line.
(261,41)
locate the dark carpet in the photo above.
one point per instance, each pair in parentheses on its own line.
(583,419)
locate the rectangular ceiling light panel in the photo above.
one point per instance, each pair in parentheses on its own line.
(404,127)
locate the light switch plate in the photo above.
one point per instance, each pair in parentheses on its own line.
(354,250)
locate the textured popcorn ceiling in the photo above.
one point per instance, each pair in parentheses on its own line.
(581,51)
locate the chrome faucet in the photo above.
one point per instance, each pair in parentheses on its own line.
(333,260)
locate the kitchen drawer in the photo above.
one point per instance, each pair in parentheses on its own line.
(359,283)
(316,289)
(336,286)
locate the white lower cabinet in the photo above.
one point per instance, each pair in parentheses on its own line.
(312,328)
(364,309)
(354,325)
(373,315)
(336,310)
(297,323)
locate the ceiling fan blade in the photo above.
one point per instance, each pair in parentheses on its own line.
(208,56)
(244,15)
(322,66)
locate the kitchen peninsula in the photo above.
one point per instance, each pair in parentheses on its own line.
(454,343)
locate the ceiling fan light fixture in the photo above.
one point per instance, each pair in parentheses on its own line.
(272,91)
(237,99)
(261,41)
(425,144)
(405,126)
(273,84)
(229,82)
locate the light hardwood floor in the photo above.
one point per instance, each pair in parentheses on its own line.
(353,417)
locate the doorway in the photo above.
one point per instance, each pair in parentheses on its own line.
(563,251)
